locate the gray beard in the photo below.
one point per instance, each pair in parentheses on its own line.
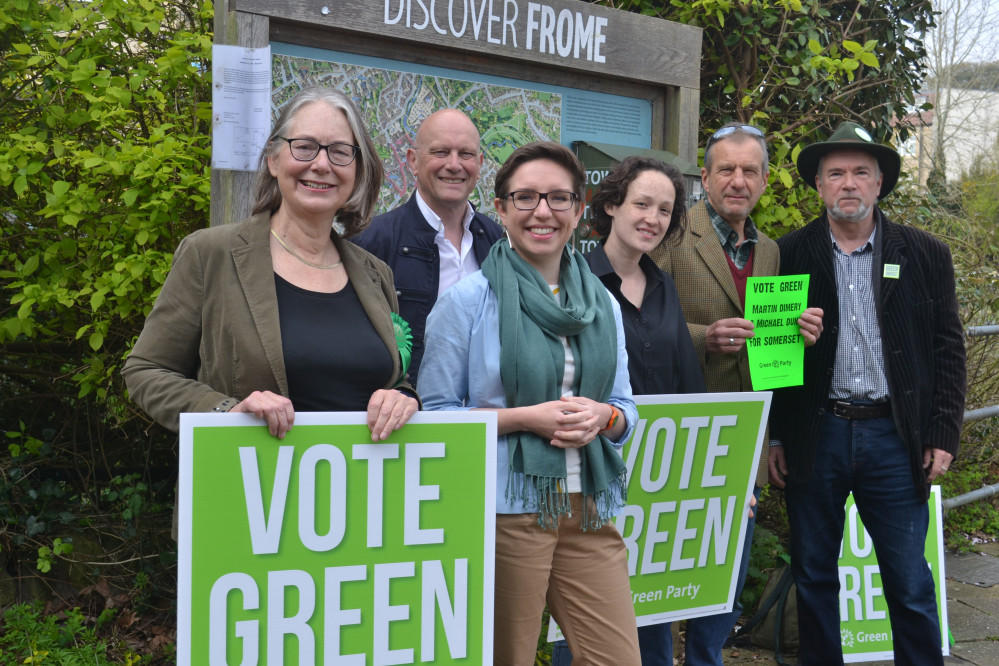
(858,215)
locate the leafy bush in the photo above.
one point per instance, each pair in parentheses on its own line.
(796,69)
(977,466)
(31,636)
(768,551)
(104,166)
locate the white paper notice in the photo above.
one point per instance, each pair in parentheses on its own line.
(241,105)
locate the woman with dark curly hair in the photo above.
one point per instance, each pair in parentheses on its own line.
(277,313)
(641,204)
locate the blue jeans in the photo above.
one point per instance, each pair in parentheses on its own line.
(868,458)
(705,635)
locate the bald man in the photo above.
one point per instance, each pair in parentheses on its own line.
(437,237)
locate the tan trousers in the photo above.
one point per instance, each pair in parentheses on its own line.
(583,576)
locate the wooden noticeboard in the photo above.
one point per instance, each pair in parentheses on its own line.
(565,43)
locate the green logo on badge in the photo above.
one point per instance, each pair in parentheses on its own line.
(892,271)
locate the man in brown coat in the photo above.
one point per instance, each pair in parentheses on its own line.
(710,265)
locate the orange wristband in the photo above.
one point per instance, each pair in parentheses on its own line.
(613,419)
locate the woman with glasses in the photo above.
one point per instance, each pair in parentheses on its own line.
(277,313)
(535,337)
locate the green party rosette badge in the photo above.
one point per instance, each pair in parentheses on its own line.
(403,340)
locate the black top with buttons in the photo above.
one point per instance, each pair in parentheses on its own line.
(661,356)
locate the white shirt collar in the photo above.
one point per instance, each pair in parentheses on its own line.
(434,220)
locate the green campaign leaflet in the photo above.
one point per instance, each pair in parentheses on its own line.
(327,548)
(776,350)
(865,629)
(691,473)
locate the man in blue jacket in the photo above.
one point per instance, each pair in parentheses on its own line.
(882,403)
(437,237)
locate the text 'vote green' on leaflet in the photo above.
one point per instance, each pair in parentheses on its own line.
(777,348)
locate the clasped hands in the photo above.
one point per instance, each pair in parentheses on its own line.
(570,422)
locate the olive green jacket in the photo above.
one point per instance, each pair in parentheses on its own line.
(213,335)
(698,266)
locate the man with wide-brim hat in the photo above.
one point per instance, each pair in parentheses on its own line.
(851,135)
(880,411)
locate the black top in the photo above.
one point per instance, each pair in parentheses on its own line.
(661,356)
(333,357)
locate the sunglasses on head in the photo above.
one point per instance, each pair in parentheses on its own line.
(730,129)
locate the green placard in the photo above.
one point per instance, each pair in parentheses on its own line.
(326,548)
(777,349)
(691,472)
(865,629)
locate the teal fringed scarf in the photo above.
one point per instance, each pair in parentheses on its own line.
(532,363)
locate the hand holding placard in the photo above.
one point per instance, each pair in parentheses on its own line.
(776,351)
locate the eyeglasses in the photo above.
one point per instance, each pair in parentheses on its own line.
(305,150)
(730,129)
(529,199)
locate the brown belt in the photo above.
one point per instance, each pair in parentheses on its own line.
(851,410)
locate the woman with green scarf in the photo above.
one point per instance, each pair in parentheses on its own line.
(535,337)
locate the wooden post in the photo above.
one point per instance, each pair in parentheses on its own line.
(232,191)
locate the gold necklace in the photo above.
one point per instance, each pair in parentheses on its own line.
(303,259)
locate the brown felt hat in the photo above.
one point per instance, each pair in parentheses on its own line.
(851,136)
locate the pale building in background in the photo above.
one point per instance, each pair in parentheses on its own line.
(972,128)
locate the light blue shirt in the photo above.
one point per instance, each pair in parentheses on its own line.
(461,368)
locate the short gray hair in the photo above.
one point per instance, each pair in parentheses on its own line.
(356,212)
(737,132)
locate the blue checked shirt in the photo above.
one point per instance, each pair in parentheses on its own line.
(739,254)
(858,373)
